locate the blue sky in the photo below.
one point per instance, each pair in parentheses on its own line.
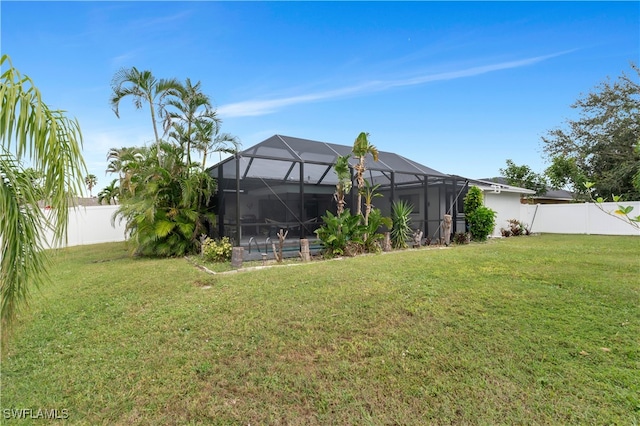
(457,86)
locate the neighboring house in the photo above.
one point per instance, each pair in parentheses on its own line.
(504,199)
(552,196)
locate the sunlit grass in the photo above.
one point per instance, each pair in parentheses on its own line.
(527,330)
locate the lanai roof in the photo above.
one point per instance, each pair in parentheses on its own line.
(279,157)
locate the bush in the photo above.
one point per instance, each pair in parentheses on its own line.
(461,238)
(481,219)
(217,250)
(473,199)
(515,229)
(481,223)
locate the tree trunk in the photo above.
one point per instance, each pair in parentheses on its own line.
(304,250)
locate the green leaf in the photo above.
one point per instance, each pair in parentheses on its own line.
(164,227)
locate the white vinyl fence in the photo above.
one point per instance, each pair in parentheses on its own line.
(583,218)
(91,225)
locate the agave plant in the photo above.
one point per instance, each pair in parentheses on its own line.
(401,217)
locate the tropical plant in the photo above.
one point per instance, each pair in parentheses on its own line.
(344,184)
(341,234)
(372,236)
(190,106)
(362,147)
(144,87)
(91,181)
(401,218)
(30,131)
(161,203)
(109,193)
(209,139)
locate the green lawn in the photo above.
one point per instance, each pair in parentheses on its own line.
(528,330)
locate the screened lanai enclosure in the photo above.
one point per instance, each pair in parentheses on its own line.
(288,183)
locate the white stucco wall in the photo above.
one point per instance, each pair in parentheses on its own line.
(506,205)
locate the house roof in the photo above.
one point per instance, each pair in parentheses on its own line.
(497,186)
(279,157)
(551,194)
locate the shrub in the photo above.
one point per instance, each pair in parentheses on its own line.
(217,250)
(473,199)
(481,223)
(461,238)
(515,229)
(401,218)
(481,219)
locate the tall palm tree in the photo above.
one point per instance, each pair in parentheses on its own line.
(91,181)
(31,131)
(208,139)
(144,88)
(362,147)
(190,105)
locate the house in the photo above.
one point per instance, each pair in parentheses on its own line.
(288,183)
(551,196)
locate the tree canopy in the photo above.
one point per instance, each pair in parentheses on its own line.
(524,177)
(601,145)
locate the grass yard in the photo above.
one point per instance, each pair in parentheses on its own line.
(528,330)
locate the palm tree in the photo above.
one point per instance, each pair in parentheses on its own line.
(144,88)
(109,193)
(207,139)
(344,181)
(162,210)
(30,130)
(190,106)
(362,147)
(91,181)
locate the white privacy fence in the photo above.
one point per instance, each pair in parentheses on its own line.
(583,218)
(91,225)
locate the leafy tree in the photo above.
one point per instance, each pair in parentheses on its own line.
(565,173)
(600,146)
(30,131)
(524,177)
(362,147)
(143,87)
(91,181)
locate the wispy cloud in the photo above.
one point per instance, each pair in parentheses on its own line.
(268,106)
